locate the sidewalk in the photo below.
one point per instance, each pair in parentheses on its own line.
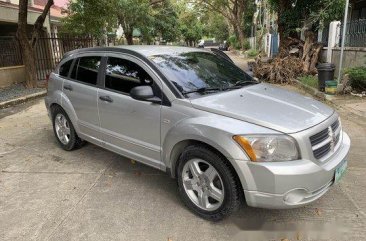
(17,94)
(353,104)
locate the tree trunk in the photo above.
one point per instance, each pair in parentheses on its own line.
(282,6)
(129,37)
(241,36)
(27,46)
(307,52)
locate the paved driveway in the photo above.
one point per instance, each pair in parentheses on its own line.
(92,194)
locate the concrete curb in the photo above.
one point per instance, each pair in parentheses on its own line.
(326,98)
(314,92)
(22,99)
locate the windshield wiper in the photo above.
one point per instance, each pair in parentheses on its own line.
(240,84)
(200,90)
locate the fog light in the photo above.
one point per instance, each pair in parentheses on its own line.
(295,196)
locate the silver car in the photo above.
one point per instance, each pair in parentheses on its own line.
(194,114)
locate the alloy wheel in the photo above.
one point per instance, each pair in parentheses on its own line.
(203,184)
(62,128)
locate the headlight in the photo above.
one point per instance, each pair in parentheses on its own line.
(269,148)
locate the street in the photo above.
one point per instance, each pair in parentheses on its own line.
(47,193)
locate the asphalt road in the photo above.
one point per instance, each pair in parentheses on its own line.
(93,194)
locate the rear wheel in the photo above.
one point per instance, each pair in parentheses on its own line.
(64,130)
(207,183)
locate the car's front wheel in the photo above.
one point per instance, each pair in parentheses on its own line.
(207,184)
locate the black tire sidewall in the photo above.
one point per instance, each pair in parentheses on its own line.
(72,141)
(230,189)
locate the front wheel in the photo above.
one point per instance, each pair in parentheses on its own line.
(207,184)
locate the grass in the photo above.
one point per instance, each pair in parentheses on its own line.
(309,80)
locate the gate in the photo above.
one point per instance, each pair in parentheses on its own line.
(274,44)
(50,49)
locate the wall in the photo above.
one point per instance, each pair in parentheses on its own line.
(352,57)
(11,75)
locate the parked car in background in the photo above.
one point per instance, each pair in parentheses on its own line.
(224,46)
(206,43)
(192,113)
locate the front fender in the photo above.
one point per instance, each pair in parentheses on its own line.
(215,131)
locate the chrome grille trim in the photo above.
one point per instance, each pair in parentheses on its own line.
(325,141)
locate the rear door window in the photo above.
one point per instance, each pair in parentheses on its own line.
(86,69)
(65,68)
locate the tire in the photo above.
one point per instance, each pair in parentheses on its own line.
(59,117)
(223,191)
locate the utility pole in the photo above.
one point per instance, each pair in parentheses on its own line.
(343,40)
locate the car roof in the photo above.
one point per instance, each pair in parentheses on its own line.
(145,50)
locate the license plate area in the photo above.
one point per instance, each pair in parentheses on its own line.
(340,170)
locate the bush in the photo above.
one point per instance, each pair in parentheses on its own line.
(309,80)
(246,45)
(252,53)
(357,76)
(234,42)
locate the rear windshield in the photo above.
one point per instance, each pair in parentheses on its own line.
(200,70)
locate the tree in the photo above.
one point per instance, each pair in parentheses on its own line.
(191,28)
(89,17)
(294,15)
(215,26)
(27,45)
(232,10)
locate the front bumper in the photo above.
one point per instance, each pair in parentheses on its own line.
(290,184)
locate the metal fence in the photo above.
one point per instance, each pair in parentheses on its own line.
(50,49)
(48,52)
(10,54)
(355,33)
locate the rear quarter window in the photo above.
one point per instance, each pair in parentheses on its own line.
(86,69)
(65,68)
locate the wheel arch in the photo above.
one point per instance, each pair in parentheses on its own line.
(179,148)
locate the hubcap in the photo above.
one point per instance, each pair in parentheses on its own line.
(62,128)
(203,184)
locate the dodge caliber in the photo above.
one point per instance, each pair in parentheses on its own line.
(225,137)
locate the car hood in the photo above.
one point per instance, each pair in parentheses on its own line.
(268,106)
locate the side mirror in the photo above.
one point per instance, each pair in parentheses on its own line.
(144,93)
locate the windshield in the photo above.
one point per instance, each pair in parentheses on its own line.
(201,72)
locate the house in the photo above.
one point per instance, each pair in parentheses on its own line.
(11,68)
(9,15)
(355,38)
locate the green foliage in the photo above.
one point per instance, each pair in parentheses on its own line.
(309,80)
(246,45)
(191,28)
(252,53)
(98,17)
(310,13)
(89,17)
(234,43)
(357,76)
(215,26)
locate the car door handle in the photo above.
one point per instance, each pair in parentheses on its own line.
(68,87)
(106,98)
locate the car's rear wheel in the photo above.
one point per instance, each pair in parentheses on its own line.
(207,184)
(64,130)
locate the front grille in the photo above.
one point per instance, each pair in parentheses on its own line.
(324,141)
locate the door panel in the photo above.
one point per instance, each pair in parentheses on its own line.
(81,90)
(84,100)
(129,126)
